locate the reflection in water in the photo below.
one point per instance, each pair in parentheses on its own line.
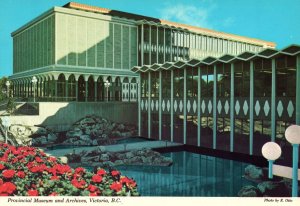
(190,175)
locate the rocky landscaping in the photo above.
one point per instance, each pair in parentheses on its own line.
(94,130)
(276,187)
(88,131)
(33,135)
(101,158)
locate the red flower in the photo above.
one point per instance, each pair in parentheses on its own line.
(62,169)
(78,184)
(32,193)
(92,188)
(79,170)
(38,159)
(2,166)
(8,173)
(93,194)
(115,173)
(7,189)
(116,186)
(54,177)
(21,174)
(97,178)
(53,194)
(101,172)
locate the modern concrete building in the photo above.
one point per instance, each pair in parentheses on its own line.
(73,50)
(234,103)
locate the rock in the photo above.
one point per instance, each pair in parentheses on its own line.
(87,120)
(129,155)
(51,137)
(85,138)
(249,191)
(104,157)
(273,189)
(64,160)
(95,142)
(118,162)
(73,158)
(101,149)
(253,172)
(121,127)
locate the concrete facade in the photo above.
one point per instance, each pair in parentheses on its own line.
(60,116)
(73,50)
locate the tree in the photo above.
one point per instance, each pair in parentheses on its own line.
(3,88)
(11,106)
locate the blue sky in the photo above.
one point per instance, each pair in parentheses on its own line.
(272,20)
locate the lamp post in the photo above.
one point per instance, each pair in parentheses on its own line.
(107,85)
(7,86)
(271,151)
(6,123)
(34,81)
(292,134)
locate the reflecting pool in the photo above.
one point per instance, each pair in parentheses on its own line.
(190,175)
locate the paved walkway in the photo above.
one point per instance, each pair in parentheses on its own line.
(114,148)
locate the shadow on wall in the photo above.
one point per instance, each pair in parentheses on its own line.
(67,114)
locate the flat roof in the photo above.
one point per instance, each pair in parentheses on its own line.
(158,22)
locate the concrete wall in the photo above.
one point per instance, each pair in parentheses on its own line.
(60,116)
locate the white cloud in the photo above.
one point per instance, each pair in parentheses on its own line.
(187,14)
(201,15)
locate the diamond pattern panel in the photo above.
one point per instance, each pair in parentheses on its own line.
(209,106)
(237,107)
(203,106)
(219,107)
(163,105)
(280,108)
(226,107)
(290,109)
(142,104)
(175,105)
(168,105)
(180,106)
(257,108)
(245,108)
(194,106)
(188,106)
(266,108)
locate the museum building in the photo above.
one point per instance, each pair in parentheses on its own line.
(79,52)
(193,85)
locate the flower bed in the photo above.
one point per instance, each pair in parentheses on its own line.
(28,171)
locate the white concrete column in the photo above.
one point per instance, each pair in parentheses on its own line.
(95,89)
(273,101)
(172,105)
(164,45)
(251,108)
(298,90)
(232,107)
(139,104)
(199,99)
(160,101)
(215,109)
(184,105)
(150,45)
(156,44)
(67,90)
(76,90)
(87,90)
(142,44)
(149,107)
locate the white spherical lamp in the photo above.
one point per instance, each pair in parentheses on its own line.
(292,134)
(271,151)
